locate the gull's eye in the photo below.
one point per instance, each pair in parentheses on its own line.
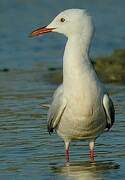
(62,19)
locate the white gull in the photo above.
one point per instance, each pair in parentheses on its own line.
(81,107)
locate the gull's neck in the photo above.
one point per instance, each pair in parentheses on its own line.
(76,63)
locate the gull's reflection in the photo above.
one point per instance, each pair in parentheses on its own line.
(85,170)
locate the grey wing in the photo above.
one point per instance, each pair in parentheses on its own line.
(56,109)
(109,110)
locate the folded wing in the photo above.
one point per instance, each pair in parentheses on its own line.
(109,110)
(56,109)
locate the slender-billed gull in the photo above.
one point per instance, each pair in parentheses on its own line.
(81,107)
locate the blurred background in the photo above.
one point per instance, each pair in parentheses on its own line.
(30,71)
(19,17)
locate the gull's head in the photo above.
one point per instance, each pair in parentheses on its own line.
(69,22)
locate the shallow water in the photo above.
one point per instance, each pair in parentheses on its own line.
(27,151)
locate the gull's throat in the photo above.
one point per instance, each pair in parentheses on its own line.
(75,61)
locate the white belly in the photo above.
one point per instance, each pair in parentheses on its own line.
(76,124)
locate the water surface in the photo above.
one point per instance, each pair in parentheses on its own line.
(28,151)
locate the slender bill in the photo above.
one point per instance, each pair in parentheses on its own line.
(41,31)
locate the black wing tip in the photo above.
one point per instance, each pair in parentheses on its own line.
(50,130)
(109,126)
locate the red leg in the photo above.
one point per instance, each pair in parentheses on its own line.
(91,154)
(67,151)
